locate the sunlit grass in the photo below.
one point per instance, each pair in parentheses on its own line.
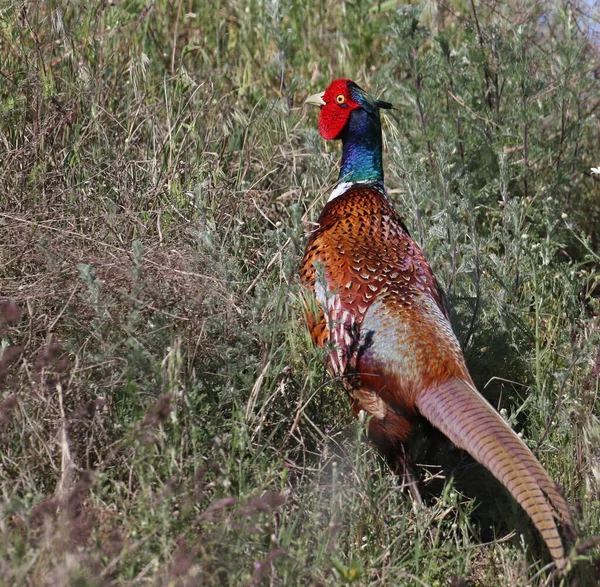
(164,418)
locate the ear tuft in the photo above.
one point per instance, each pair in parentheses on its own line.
(384,105)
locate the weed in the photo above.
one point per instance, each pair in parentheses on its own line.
(163,415)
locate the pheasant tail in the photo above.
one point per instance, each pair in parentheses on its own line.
(464,416)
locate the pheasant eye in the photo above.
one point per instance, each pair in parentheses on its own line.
(340,99)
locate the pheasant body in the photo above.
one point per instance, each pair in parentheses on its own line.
(381,312)
(383,307)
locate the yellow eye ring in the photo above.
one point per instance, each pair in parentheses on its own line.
(340,99)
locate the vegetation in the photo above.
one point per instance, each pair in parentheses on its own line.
(164,418)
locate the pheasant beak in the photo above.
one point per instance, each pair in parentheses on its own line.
(316,99)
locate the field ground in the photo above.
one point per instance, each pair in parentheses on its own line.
(164,418)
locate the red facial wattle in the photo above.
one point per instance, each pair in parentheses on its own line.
(336,111)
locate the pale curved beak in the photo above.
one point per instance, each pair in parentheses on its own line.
(316,99)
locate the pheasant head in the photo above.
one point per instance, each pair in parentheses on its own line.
(349,114)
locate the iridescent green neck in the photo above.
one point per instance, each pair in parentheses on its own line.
(361,154)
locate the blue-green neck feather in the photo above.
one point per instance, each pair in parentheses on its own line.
(361,154)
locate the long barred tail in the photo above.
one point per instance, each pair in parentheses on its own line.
(468,420)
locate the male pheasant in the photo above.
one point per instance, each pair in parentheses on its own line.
(380,310)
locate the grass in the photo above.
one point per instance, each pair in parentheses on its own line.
(164,418)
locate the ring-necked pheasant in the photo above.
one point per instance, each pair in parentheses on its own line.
(381,312)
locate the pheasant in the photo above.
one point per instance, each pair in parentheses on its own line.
(374,303)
